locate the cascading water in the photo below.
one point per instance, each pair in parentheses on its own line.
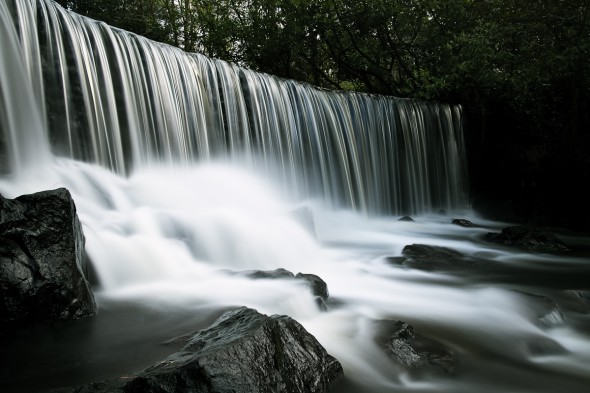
(184,167)
(126,103)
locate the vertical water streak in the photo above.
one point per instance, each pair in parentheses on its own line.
(22,124)
(124,102)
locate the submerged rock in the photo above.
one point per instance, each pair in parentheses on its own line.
(318,287)
(542,346)
(415,351)
(316,284)
(547,310)
(435,258)
(463,223)
(277,273)
(576,301)
(583,296)
(425,252)
(400,346)
(426,257)
(242,352)
(42,261)
(527,238)
(406,219)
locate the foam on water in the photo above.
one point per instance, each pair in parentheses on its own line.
(167,237)
(185,170)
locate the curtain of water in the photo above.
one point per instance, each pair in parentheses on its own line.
(165,224)
(22,107)
(124,102)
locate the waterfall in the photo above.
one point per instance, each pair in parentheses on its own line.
(186,170)
(108,97)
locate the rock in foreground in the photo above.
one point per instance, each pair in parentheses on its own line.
(242,352)
(42,261)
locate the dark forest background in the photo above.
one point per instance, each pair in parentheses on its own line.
(519,68)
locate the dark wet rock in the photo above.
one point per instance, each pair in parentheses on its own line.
(546,309)
(273,274)
(242,352)
(406,218)
(552,318)
(397,261)
(584,296)
(321,303)
(463,223)
(318,287)
(550,313)
(416,351)
(42,261)
(527,238)
(543,346)
(400,346)
(576,301)
(423,251)
(433,258)
(444,359)
(425,257)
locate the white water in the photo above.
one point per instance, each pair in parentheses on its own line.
(168,209)
(165,237)
(105,96)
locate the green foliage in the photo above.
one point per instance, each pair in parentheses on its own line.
(520,68)
(143,17)
(528,58)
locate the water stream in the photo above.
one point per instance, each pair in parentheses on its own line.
(184,168)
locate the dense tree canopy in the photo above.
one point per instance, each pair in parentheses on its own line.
(520,68)
(420,48)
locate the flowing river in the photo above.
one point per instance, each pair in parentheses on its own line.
(185,169)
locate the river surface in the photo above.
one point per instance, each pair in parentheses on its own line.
(162,240)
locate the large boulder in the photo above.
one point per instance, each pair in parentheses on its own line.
(242,352)
(42,261)
(245,351)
